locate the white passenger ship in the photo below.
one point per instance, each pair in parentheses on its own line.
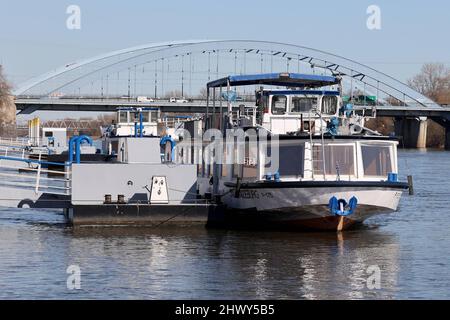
(333,173)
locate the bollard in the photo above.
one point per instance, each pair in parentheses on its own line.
(411,185)
(107,199)
(121,199)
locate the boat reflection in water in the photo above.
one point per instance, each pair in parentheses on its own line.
(214,264)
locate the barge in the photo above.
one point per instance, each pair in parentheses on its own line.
(299,159)
(133,182)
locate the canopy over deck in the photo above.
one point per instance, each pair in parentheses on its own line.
(292,80)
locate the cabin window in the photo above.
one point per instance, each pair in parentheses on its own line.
(123,117)
(145,117)
(329,104)
(291,161)
(279,104)
(134,117)
(224,170)
(303,104)
(339,159)
(154,116)
(114,147)
(377,160)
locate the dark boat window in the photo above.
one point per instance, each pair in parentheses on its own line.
(279,104)
(291,161)
(303,104)
(329,104)
(145,117)
(338,158)
(123,117)
(376,160)
(134,117)
(154,116)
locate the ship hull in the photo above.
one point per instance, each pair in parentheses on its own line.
(306,205)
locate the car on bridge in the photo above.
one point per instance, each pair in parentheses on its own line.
(178,100)
(144,99)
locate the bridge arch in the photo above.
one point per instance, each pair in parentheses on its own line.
(184,67)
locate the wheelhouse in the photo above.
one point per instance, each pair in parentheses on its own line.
(287,111)
(304,105)
(136,121)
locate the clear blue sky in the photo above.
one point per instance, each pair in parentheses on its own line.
(34,38)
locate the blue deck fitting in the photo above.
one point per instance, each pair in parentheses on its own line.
(335,206)
(141,125)
(333,126)
(77,141)
(173,144)
(392,177)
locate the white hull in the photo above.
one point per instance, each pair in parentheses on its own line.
(309,206)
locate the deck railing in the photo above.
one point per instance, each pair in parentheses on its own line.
(18,171)
(15,142)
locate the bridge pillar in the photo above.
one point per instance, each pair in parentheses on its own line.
(447,137)
(413,131)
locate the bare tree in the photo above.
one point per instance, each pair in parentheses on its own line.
(7,108)
(202,94)
(433,81)
(4,86)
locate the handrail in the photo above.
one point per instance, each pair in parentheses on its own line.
(37,178)
(36,161)
(2,174)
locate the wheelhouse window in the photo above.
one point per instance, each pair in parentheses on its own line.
(329,104)
(123,117)
(291,161)
(145,116)
(279,104)
(134,117)
(303,104)
(377,160)
(339,160)
(154,116)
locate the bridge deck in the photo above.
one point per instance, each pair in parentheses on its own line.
(27,106)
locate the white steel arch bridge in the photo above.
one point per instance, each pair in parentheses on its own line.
(184,67)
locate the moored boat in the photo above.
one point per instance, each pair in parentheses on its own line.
(306,160)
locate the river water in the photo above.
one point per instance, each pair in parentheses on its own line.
(405,255)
